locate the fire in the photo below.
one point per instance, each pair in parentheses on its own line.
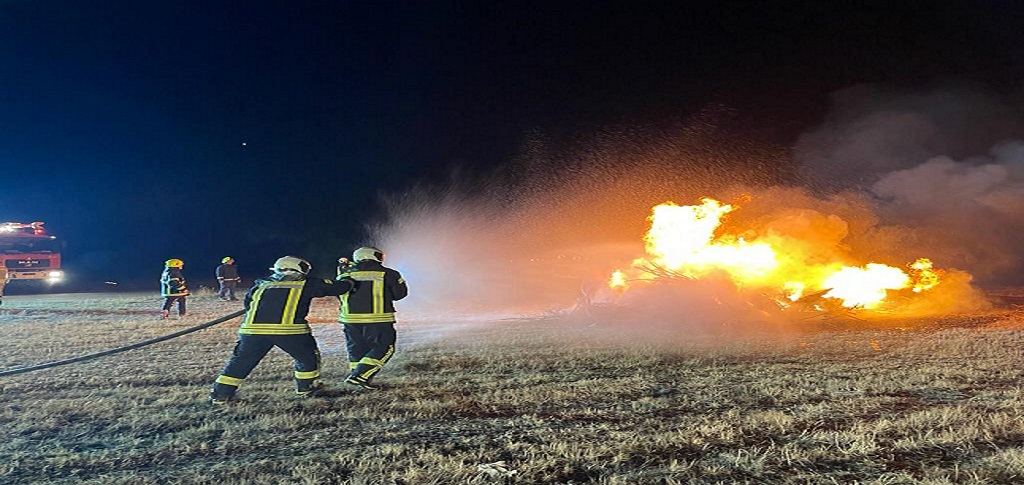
(682,239)
(925,277)
(865,286)
(618,280)
(687,241)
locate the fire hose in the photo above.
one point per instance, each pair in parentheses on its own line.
(83,358)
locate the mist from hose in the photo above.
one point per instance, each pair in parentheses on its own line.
(548,229)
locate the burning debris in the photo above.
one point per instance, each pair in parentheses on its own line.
(688,243)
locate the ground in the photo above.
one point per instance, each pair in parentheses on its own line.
(553,397)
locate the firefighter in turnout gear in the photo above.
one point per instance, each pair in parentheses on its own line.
(227,277)
(368,314)
(276,309)
(172,287)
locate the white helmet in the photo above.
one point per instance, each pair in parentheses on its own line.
(291,264)
(368,252)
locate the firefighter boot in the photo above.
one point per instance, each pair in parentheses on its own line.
(361,376)
(221,399)
(306,388)
(361,383)
(222,393)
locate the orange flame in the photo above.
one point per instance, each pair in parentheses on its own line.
(684,240)
(924,276)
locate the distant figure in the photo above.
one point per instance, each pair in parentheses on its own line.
(276,309)
(4,274)
(172,287)
(368,314)
(227,277)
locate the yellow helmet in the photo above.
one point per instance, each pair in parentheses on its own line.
(227,260)
(174,263)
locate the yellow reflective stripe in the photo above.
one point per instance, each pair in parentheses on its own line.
(378,296)
(370,361)
(249,315)
(377,278)
(229,381)
(313,374)
(387,355)
(370,371)
(293,302)
(344,307)
(378,315)
(366,275)
(290,307)
(274,329)
(368,318)
(352,365)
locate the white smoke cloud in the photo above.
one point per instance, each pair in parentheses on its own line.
(944,167)
(872,130)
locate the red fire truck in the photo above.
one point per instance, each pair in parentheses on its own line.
(29,253)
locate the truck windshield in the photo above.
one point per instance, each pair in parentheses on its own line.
(10,245)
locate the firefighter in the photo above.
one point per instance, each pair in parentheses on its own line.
(368,314)
(344,265)
(227,277)
(4,274)
(172,287)
(276,309)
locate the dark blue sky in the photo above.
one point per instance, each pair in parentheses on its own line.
(122,123)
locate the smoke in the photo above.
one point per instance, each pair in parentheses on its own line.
(888,177)
(945,170)
(872,130)
(966,213)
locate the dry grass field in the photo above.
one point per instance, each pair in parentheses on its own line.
(535,400)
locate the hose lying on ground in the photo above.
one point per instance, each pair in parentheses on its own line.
(144,343)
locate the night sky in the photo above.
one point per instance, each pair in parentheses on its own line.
(142,131)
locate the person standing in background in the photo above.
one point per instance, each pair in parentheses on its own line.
(173,287)
(227,277)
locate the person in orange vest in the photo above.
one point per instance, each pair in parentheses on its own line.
(173,287)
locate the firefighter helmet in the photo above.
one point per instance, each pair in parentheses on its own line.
(174,263)
(227,260)
(291,264)
(368,252)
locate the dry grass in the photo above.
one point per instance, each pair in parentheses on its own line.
(557,399)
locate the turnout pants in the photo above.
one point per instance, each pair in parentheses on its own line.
(251,349)
(227,289)
(169,302)
(370,346)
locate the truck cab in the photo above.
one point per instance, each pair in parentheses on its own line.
(29,253)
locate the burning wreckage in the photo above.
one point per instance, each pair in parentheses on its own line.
(776,273)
